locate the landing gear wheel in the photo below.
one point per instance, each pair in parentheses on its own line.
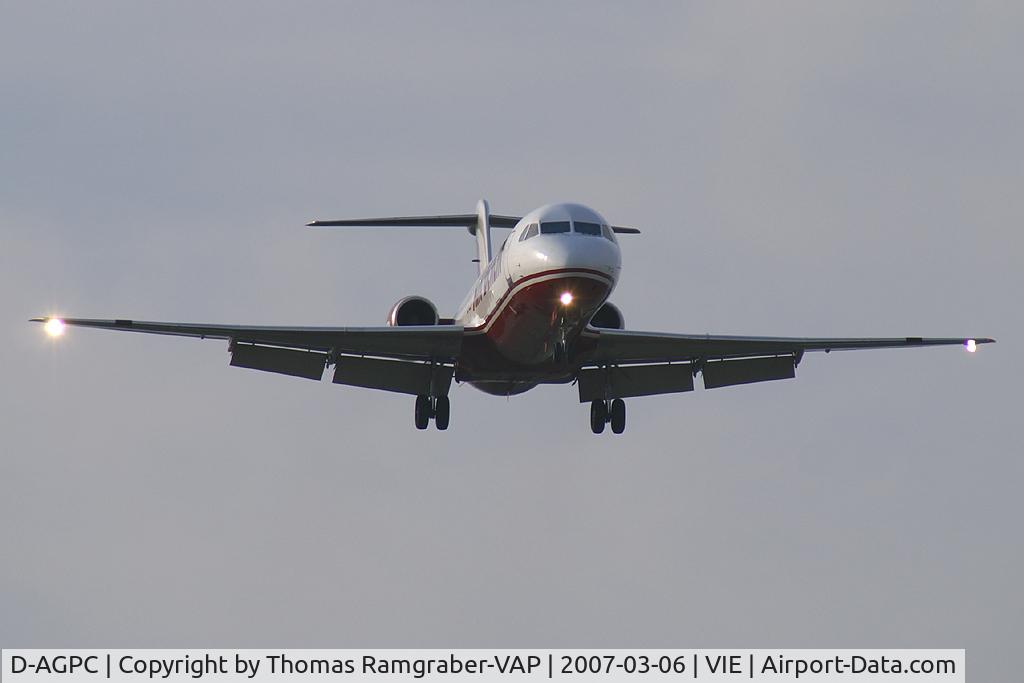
(423,412)
(442,411)
(598,416)
(618,416)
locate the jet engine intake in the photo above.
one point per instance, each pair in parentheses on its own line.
(413,310)
(608,317)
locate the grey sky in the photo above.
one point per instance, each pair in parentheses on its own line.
(817,169)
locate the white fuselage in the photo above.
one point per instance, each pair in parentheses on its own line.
(535,296)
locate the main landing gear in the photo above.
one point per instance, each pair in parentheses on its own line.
(428,407)
(604,412)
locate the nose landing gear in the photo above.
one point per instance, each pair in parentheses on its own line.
(560,353)
(604,412)
(428,407)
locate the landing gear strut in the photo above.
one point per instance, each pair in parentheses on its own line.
(561,352)
(438,408)
(603,412)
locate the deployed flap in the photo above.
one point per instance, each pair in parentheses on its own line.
(596,384)
(730,372)
(284,361)
(403,377)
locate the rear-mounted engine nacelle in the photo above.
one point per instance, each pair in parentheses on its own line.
(413,310)
(609,317)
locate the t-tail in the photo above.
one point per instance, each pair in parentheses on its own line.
(478,224)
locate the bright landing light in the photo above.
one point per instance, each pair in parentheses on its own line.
(55,327)
(971,345)
(566,298)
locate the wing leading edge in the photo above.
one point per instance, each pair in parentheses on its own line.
(439,343)
(416,360)
(622,346)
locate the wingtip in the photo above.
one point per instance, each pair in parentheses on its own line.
(38,320)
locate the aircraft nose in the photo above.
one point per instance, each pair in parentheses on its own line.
(578,251)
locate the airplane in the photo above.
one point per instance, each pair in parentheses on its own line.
(538,313)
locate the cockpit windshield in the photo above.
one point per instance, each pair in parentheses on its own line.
(549,227)
(530,231)
(579,227)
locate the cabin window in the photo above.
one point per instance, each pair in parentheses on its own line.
(588,228)
(549,227)
(530,231)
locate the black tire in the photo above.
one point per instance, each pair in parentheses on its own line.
(618,418)
(442,411)
(598,416)
(422,412)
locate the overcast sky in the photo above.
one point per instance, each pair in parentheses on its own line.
(796,168)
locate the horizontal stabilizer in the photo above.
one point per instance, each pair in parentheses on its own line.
(459,220)
(456,220)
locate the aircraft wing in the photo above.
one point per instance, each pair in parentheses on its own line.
(622,346)
(429,343)
(647,363)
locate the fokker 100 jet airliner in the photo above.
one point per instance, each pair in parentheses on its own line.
(537,314)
